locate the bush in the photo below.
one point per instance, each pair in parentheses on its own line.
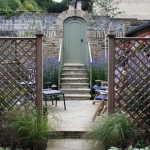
(31,128)
(99,69)
(4,4)
(1,148)
(13,4)
(130,148)
(50,70)
(113,130)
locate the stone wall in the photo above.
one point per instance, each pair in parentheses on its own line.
(139,9)
(52,25)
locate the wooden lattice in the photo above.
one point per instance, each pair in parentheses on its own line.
(132,55)
(17,72)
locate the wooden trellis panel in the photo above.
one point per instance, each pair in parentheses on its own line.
(20,72)
(17,72)
(131,55)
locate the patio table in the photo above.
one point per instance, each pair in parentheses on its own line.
(48,93)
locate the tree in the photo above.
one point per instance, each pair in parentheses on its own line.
(4,4)
(58,7)
(105,10)
(13,4)
(103,13)
(44,4)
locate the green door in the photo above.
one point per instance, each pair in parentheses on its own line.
(74,40)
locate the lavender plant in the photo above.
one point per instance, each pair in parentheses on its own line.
(50,70)
(99,68)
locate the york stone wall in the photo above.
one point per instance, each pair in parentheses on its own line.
(52,25)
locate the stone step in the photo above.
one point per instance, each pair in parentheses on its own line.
(74,85)
(73,143)
(76,91)
(74,80)
(72,71)
(75,75)
(77,97)
(73,65)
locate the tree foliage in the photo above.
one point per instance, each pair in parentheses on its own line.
(104,11)
(4,4)
(9,7)
(58,7)
(106,7)
(19,5)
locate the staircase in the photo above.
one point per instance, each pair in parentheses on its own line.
(74,82)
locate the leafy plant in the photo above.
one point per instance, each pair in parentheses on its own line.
(99,69)
(45,111)
(32,129)
(1,148)
(130,148)
(113,130)
(50,70)
(104,11)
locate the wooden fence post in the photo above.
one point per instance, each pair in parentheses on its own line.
(39,69)
(111,69)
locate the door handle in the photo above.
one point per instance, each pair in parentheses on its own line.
(81,40)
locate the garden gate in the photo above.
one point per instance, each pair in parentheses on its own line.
(21,72)
(131,55)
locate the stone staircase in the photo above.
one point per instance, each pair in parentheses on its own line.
(74,82)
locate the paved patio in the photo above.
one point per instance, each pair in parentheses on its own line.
(77,117)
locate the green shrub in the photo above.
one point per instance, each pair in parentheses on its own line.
(4,4)
(113,130)
(32,129)
(130,148)
(1,148)
(99,69)
(13,4)
(50,70)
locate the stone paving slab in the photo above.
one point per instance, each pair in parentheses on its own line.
(73,144)
(77,117)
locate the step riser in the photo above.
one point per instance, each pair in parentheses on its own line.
(68,86)
(74,76)
(69,134)
(74,67)
(76,98)
(76,92)
(73,71)
(74,81)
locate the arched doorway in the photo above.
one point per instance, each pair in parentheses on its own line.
(74,40)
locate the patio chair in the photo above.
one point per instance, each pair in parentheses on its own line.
(102,96)
(103,87)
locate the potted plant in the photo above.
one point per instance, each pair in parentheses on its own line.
(113,130)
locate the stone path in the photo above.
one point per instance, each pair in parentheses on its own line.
(76,118)
(73,144)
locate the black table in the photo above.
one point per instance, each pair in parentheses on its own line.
(48,93)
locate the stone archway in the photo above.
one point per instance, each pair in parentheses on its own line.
(72,13)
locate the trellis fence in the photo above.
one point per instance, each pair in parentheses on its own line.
(21,72)
(129,78)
